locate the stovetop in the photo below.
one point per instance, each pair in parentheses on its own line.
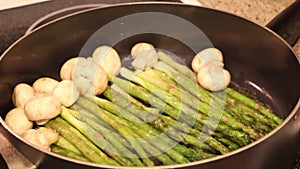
(2,163)
(15,22)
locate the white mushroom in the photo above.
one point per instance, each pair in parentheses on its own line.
(44,85)
(140,48)
(21,94)
(108,59)
(206,56)
(208,63)
(66,92)
(144,55)
(42,137)
(87,70)
(84,85)
(17,121)
(41,122)
(39,94)
(48,133)
(66,69)
(42,108)
(213,77)
(139,63)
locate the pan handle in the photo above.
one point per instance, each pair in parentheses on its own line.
(287,23)
(13,158)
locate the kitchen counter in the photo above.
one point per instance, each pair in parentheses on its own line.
(258,11)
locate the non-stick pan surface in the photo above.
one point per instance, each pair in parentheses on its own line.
(257,58)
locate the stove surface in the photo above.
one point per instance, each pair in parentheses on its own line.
(14,22)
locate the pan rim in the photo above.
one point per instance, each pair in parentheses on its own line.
(209,160)
(145,3)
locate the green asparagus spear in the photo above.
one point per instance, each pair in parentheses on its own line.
(167,125)
(183,81)
(237,110)
(244,117)
(88,149)
(204,154)
(136,108)
(184,69)
(64,143)
(97,123)
(113,149)
(162,157)
(128,105)
(139,127)
(226,141)
(104,104)
(112,120)
(253,104)
(158,140)
(198,106)
(141,93)
(68,153)
(233,93)
(251,112)
(187,84)
(82,114)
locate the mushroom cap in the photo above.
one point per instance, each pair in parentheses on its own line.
(108,58)
(42,137)
(84,85)
(206,56)
(33,137)
(42,108)
(66,92)
(100,81)
(87,72)
(17,121)
(144,55)
(66,69)
(139,48)
(214,80)
(44,85)
(21,94)
(49,134)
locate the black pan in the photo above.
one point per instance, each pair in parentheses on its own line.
(258,59)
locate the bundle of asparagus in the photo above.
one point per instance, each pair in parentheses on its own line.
(159,117)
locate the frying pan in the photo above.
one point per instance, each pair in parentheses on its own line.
(258,59)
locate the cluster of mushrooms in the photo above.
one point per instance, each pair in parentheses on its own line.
(208,65)
(42,101)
